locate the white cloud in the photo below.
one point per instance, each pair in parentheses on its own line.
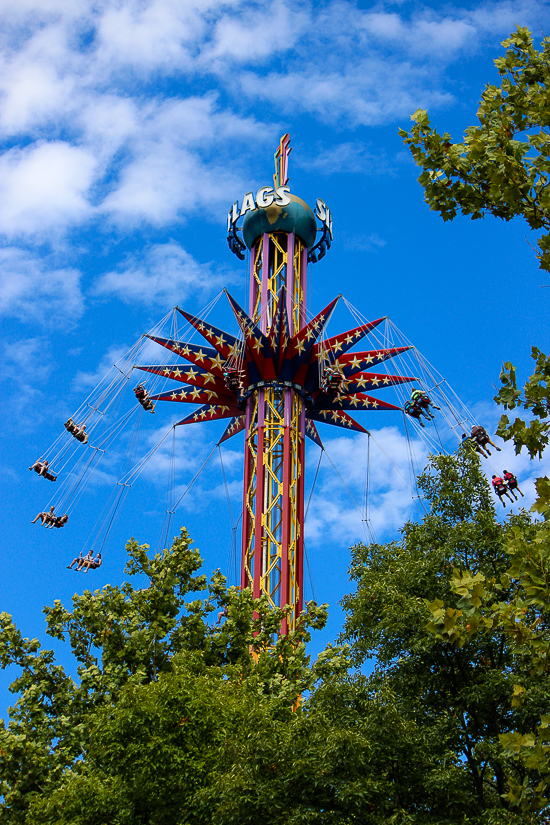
(334,516)
(32,289)
(80,86)
(363,242)
(165,274)
(43,187)
(353,156)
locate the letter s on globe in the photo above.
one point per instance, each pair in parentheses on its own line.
(282,198)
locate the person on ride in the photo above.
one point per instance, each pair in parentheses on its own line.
(481,435)
(415,412)
(501,489)
(59,521)
(43,469)
(422,399)
(512,484)
(81,434)
(142,396)
(477,447)
(79,561)
(232,378)
(45,517)
(71,426)
(92,564)
(331,382)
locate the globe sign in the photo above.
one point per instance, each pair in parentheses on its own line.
(275,210)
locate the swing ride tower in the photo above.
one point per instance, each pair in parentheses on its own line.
(274,380)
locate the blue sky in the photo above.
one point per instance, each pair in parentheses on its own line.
(128,129)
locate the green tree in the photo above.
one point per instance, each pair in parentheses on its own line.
(515,604)
(160,690)
(532,434)
(458,696)
(502,166)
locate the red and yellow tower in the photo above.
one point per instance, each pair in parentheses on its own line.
(277,379)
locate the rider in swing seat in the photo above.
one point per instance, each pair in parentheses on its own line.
(477,447)
(415,412)
(422,399)
(332,381)
(232,378)
(142,396)
(501,489)
(79,561)
(42,468)
(481,436)
(91,563)
(46,518)
(512,484)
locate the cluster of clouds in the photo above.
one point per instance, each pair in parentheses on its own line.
(137,113)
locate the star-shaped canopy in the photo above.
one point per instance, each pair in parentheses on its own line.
(299,360)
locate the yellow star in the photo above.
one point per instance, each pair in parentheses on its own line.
(355,363)
(386,381)
(195,393)
(212,410)
(365,403)
(221,340)
(203,413)
(354,400)
(223,409)
(176,373)
(234,351)
(200,356)
(374,404)
(200,327)
(349,339)
(375,381)
(324,413)
(209,393)
(359,333)
(300,346)
(337,346)
(361,382)
(191,373)
(209,378)
(257,344)
(195,417)
(310,334)
(174,396)
(335,415)
(183,396)
(166,371)
(184,350)
(368,359)
(216,362)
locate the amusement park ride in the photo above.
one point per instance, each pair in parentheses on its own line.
(276,381)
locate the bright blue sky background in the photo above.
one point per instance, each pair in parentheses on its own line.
(128,130)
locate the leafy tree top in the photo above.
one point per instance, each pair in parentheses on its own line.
(502,166)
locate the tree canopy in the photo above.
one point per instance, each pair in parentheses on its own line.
(502,165)
(191,708)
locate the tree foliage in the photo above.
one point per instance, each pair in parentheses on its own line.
(458,696)
(502,166)
(534,434)
(514,604)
